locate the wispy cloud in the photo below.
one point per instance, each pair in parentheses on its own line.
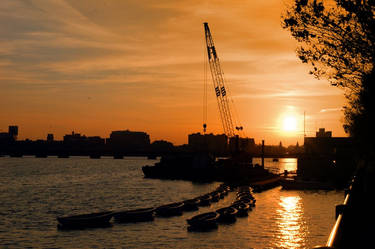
(146,56)
(325,110)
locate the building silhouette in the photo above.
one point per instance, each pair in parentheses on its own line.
(13,131)
(327,158)
(216,144)
(50,137)
(128,141)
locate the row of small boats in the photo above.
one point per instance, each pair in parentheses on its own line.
(102,219)
(240,207)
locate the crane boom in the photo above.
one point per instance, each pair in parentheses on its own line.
(219,86)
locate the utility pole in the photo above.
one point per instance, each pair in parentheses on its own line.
(304,124)
(263,154)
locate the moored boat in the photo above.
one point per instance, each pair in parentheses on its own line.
(227,214)
(244,195)
(143,214)
(173,209)
(203,221)
(205,200)
(191,204)
(85,220)
(242,208)
(247,200)
(215,196)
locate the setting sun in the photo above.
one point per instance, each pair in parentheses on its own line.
(289,123)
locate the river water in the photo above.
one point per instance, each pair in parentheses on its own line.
(33,191)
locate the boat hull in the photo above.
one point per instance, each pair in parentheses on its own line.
(227,214)
(174,209)
(205,221)
(85,220)
(138,215)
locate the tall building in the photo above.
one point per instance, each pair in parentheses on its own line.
(13,131)
(50,137)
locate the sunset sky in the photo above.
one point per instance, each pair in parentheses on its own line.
(94,66)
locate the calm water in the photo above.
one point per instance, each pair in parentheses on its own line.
(34,191)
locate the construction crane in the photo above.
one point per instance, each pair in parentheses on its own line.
(221,92)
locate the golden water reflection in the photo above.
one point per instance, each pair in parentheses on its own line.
(290,223)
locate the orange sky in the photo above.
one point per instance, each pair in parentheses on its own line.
(94,66)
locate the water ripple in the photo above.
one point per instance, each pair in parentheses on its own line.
(34,191)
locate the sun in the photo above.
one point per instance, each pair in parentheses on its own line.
(290,123)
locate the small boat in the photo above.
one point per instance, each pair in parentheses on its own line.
(85,220)
(222,194)
(205,200)
(227,214)
(223,189)
(144,214)
(249,201)
(242,209)
(244,199)
(244,195)
(174,209)
(191,204)
(215,196)
(275,160)
(203,221)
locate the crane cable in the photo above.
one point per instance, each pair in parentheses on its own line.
(237,121)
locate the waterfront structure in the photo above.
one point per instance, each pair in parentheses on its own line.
(327,158)
(161,147)
(243,144)
(217,144)
(325,144)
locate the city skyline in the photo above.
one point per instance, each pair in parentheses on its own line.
(139,66)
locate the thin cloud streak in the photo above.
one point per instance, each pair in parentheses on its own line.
(331,109)
(135,56)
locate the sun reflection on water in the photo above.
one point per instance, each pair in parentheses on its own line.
(290,223)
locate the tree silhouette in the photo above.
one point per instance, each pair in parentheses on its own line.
(337,39)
